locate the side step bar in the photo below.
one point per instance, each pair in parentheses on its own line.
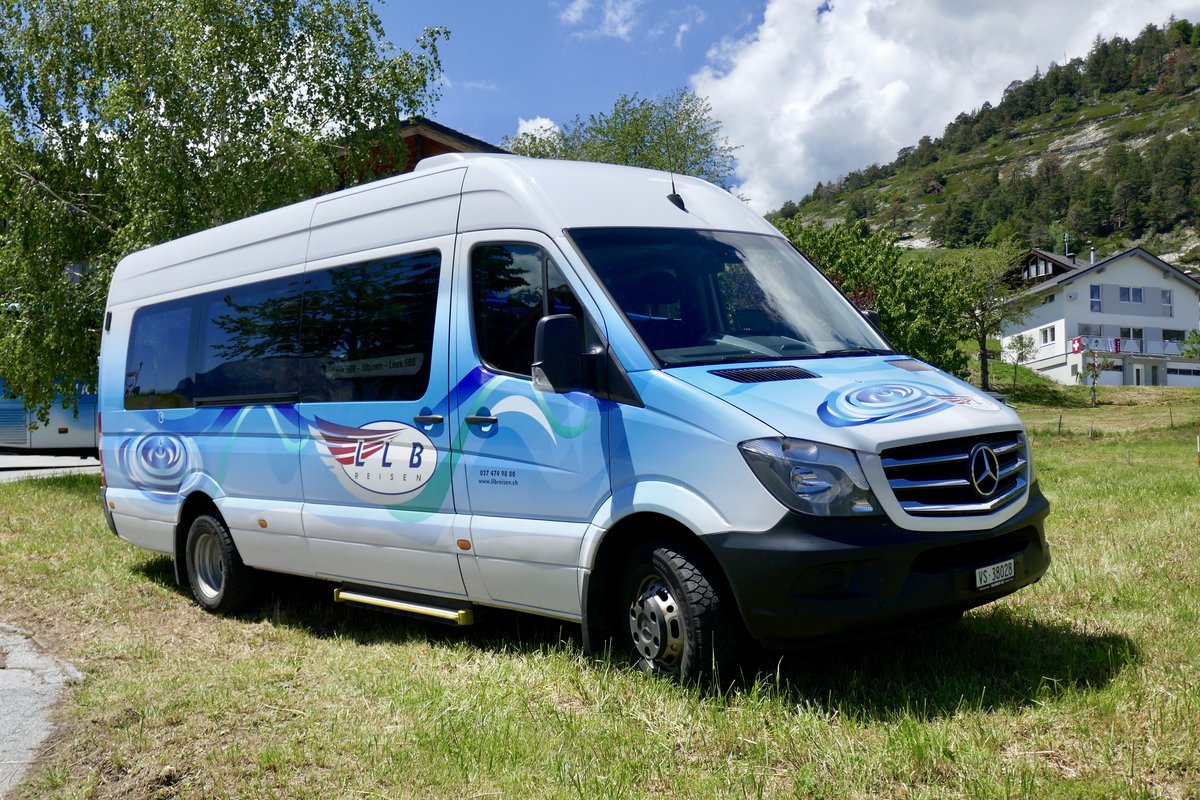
(455,616)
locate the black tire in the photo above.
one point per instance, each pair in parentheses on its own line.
(220,582)
(673,620)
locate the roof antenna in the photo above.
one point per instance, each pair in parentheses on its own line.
(674,197)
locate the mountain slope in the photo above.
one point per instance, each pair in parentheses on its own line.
(1104,149)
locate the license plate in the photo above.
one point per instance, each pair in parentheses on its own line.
(995,574)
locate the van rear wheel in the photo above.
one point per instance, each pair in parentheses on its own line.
(220,581)
(674,621)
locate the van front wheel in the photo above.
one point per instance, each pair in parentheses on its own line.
(220,581)
(675,623)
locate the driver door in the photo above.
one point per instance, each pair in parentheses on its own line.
(534,463)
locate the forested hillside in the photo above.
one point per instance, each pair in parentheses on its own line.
(1104,149)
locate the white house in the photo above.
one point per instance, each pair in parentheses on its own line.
(1133,308)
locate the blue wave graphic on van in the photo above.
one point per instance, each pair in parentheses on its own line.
(161,459)
(892,402)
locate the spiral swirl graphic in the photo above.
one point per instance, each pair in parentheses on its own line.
(156,460)
(880,402)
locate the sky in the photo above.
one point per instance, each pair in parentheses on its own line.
(807,90)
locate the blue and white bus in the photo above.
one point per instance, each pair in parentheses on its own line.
(66,434)
(606,395)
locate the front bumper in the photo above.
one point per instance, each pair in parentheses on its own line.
(812,580)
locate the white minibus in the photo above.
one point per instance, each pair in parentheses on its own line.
(607,395)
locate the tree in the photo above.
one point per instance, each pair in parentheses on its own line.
(126,125)
(1094,365)
(988,296)
(676,133)
(918,315)
(1020,349)
(1191,344)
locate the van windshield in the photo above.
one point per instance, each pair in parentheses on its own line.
(714,297)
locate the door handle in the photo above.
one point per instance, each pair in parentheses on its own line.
(429,419)
(475,419)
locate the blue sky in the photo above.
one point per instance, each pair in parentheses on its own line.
(536,58)
(807,89)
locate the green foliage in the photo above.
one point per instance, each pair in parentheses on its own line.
(1191,345)
(122,126)
(979,287)
(1094,365)
(918,314)
(928,303)
(676,133)
(1020,349)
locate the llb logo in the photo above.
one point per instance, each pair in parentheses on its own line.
(385,457)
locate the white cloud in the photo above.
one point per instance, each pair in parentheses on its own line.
(484,86)
(620,18)
(574,13)
(691,16)
(537,126)
(810,96)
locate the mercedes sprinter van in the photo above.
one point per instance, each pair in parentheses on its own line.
(603,394)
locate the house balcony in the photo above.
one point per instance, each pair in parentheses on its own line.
(1147,347)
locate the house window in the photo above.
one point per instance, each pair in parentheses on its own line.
(1131,333)
(1047,299)
(1173,336)
(1088,329)
(1130,294)
(1047,335)
(1168,308)
(1094,289)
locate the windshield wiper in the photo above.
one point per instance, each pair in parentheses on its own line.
(856,351)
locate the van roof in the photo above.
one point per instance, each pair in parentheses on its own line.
(446,194)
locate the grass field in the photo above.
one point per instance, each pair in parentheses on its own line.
(1081,686)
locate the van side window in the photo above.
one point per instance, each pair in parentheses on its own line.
(249,342)
(509,295)
(156,367)
(368,329)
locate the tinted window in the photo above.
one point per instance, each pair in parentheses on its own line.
(508,300)
(513,286)
(368,329)
(366,333)
(156,369)
(249,342)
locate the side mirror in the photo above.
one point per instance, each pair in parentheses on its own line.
(873,317)
(558,354)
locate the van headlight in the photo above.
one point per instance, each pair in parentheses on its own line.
(811,477)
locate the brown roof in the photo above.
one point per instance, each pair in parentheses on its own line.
(421,138)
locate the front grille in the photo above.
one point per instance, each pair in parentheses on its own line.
(764,374)
(954,477)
